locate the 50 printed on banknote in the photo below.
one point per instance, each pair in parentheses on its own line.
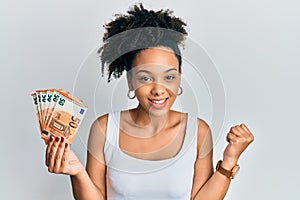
(59,114)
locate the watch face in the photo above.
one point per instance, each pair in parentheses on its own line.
(235,171)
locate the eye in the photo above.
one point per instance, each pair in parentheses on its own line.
(170,77)
(145,79)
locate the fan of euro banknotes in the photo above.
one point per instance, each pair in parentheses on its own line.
(59,114)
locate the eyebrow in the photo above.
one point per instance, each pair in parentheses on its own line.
(172,69)
(148,72)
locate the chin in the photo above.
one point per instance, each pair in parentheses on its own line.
(158,112)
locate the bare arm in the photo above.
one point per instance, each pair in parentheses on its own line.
(84,188)
(214,186)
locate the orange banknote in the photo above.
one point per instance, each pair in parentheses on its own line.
(59,113)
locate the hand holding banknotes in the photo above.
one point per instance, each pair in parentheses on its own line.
(59,116)
(60,159)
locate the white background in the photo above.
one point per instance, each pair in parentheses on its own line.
(254,44)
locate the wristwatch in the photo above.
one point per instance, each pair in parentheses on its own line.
(228,173)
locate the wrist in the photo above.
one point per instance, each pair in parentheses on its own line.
(229,163)
(79,175)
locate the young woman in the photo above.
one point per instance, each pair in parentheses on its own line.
(151,151)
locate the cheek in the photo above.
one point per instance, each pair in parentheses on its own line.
(175,88)
(172,87)
(142,90)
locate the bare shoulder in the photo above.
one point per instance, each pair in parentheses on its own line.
(204,142)
(203,128)
(97,137)
(99,125)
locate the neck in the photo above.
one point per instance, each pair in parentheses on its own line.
(151,122)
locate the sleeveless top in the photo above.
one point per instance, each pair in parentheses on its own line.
(132,178)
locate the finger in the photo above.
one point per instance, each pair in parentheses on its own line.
(242,131)
(51,140)
(245,128)
(236,130)
(231,138)
(246,137)
(249,136)
(58,156)
(65,158)
(52,154)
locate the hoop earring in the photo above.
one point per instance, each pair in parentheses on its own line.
(180,91)
(128,94)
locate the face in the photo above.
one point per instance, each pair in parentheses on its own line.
(155,77)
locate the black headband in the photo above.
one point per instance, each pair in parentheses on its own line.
(172,45)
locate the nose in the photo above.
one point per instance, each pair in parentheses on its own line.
(157,90)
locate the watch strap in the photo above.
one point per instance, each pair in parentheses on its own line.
(228,173)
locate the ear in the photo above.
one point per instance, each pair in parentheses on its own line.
(129,81)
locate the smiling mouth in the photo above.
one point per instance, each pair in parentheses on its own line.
(158,102)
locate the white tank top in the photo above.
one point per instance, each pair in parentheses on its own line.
(137,179)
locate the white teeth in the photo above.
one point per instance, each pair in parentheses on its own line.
(159,102)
